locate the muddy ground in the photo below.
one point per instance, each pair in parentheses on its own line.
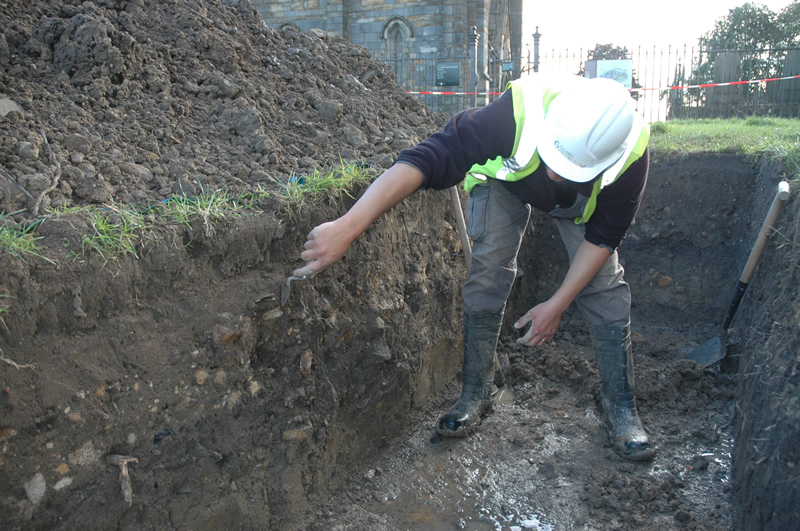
(242,413)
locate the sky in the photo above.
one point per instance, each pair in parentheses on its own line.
(576,24)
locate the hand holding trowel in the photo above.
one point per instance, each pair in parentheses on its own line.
(713,351)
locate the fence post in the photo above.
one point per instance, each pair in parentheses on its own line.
(473,50)
(536,37)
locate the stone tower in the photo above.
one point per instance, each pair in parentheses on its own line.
(403,32)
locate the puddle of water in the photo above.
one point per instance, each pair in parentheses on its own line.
(512,523)
(449,487)
(484,482)
(504,396)
(438,512)
(721,455)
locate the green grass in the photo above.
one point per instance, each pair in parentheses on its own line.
(211,207)
(117,231)
(18,242)
(330,183)
(776,139)
(251,200)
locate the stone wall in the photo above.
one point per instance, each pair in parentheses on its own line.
(399,32)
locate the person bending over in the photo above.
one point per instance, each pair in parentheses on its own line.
(570,146)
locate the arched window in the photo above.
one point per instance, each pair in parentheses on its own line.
(397,32)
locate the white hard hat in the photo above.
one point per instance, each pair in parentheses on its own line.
(586,129)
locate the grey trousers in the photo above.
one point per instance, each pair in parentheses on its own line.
(496,222)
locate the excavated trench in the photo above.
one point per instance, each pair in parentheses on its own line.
(244,413)
(540,461)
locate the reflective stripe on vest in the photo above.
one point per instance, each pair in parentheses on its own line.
(532,97)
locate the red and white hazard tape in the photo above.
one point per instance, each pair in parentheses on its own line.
(727,84)
(676,87)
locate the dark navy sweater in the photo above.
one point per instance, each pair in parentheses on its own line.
(481,134)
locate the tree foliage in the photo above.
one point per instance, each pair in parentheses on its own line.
(608,52)
(754,26)
(789,23)
(749,26)
(750,43)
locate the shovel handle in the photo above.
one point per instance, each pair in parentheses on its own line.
(758,249)
(737,298)
(462,227)
(766,230)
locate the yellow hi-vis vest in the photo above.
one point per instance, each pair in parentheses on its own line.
(532,97)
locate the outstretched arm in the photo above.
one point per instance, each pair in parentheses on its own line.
(328,242)
(546,317)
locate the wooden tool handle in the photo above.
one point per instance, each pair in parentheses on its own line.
(758,249)
(462,227)
(766,229)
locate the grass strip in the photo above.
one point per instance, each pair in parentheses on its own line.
(776,139)
(329,183)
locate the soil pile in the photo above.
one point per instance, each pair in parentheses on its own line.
(142,100)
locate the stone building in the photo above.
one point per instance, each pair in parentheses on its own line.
(428,42)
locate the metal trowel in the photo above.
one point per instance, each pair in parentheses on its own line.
(287,287)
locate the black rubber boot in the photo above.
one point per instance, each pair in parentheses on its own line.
(478,376)
(612,345)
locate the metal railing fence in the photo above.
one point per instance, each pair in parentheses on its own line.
(668,83)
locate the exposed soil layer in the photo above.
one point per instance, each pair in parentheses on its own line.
(243,413)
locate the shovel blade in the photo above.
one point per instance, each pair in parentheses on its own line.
(709,353)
